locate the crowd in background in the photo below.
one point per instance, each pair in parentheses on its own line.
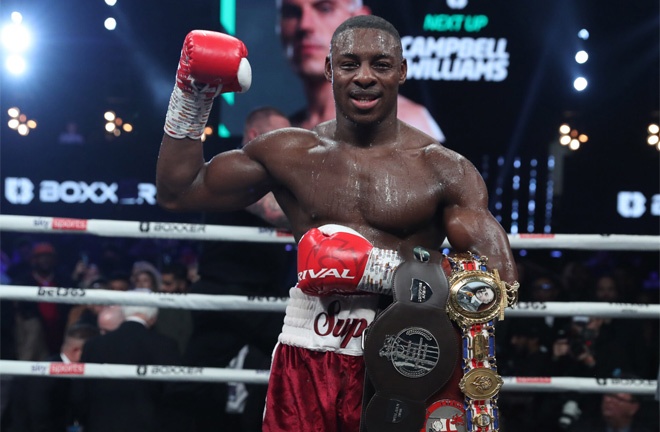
(561,346)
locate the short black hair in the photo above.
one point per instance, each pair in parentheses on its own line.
(366,22)
(262,112)
(82,331)
(177,269)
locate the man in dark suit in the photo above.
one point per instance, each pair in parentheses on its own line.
(619,412)
(128,405)
(41,404)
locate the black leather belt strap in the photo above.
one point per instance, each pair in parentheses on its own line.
(407,353)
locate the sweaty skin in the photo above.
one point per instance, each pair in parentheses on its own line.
(365,169)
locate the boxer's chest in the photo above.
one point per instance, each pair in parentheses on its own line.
(387,190)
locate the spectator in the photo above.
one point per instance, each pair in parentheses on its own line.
(619,412)
(110,318)
(175,322)
(145,275)
(119,281)
(525,355)
(41,404)
(127,405)
(40,326)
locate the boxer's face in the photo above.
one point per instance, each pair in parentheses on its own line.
(306,27)
(366,69)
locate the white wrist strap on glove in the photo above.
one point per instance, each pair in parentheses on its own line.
(188,112)
(378,275)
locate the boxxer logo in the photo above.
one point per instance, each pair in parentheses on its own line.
(634,204)
(21,190)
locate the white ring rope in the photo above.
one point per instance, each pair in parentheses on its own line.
(205,374)
(157,299)
(202,232)
(278,304)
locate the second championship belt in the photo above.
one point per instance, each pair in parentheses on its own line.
(477,298)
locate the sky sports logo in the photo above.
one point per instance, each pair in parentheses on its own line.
(22,191)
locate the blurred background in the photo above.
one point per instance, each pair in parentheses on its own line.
(561,119)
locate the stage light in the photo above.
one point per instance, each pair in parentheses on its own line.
(571,137)
(19,122)
(115,125)
(580,83)
(16,40)
(581,57)
(15,36)
(208,130)
(110,24)
(111,2)
(653,138)
(15,64)
(583,34)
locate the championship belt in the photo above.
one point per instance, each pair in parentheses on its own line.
(410,349)
(478,297)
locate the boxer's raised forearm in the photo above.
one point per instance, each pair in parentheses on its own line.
(180,163)
(210,63)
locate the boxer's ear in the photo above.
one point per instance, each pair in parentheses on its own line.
(328,68)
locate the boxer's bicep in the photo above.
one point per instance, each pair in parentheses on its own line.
(233,180)
(185,182)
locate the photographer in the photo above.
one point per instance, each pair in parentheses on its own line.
(572,353)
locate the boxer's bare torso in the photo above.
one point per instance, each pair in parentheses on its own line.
(391,192)
(366,169)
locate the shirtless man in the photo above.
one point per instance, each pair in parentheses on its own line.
(355,189)
(305,28)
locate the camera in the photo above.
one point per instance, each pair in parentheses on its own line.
(579,336)
(570,413)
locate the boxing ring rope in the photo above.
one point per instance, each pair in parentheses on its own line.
(202,232)
(278,304)
(204,374)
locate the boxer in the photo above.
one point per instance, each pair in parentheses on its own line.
(390,186)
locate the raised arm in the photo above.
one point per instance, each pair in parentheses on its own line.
(211,63)
(471,226)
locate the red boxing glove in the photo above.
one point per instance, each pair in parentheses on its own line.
(337,259)
(216,59)
(211,63)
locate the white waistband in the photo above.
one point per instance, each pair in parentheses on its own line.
(328,323)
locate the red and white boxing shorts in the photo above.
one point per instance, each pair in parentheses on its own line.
(317,375)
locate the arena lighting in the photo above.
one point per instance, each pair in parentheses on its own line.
(15,36)
(111,2)
(115,125)
(208,130)
(19,122)
(653,138)
(583,34)
(16,40)
(581,57)
(571,138)
(580,83)
(110,24)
